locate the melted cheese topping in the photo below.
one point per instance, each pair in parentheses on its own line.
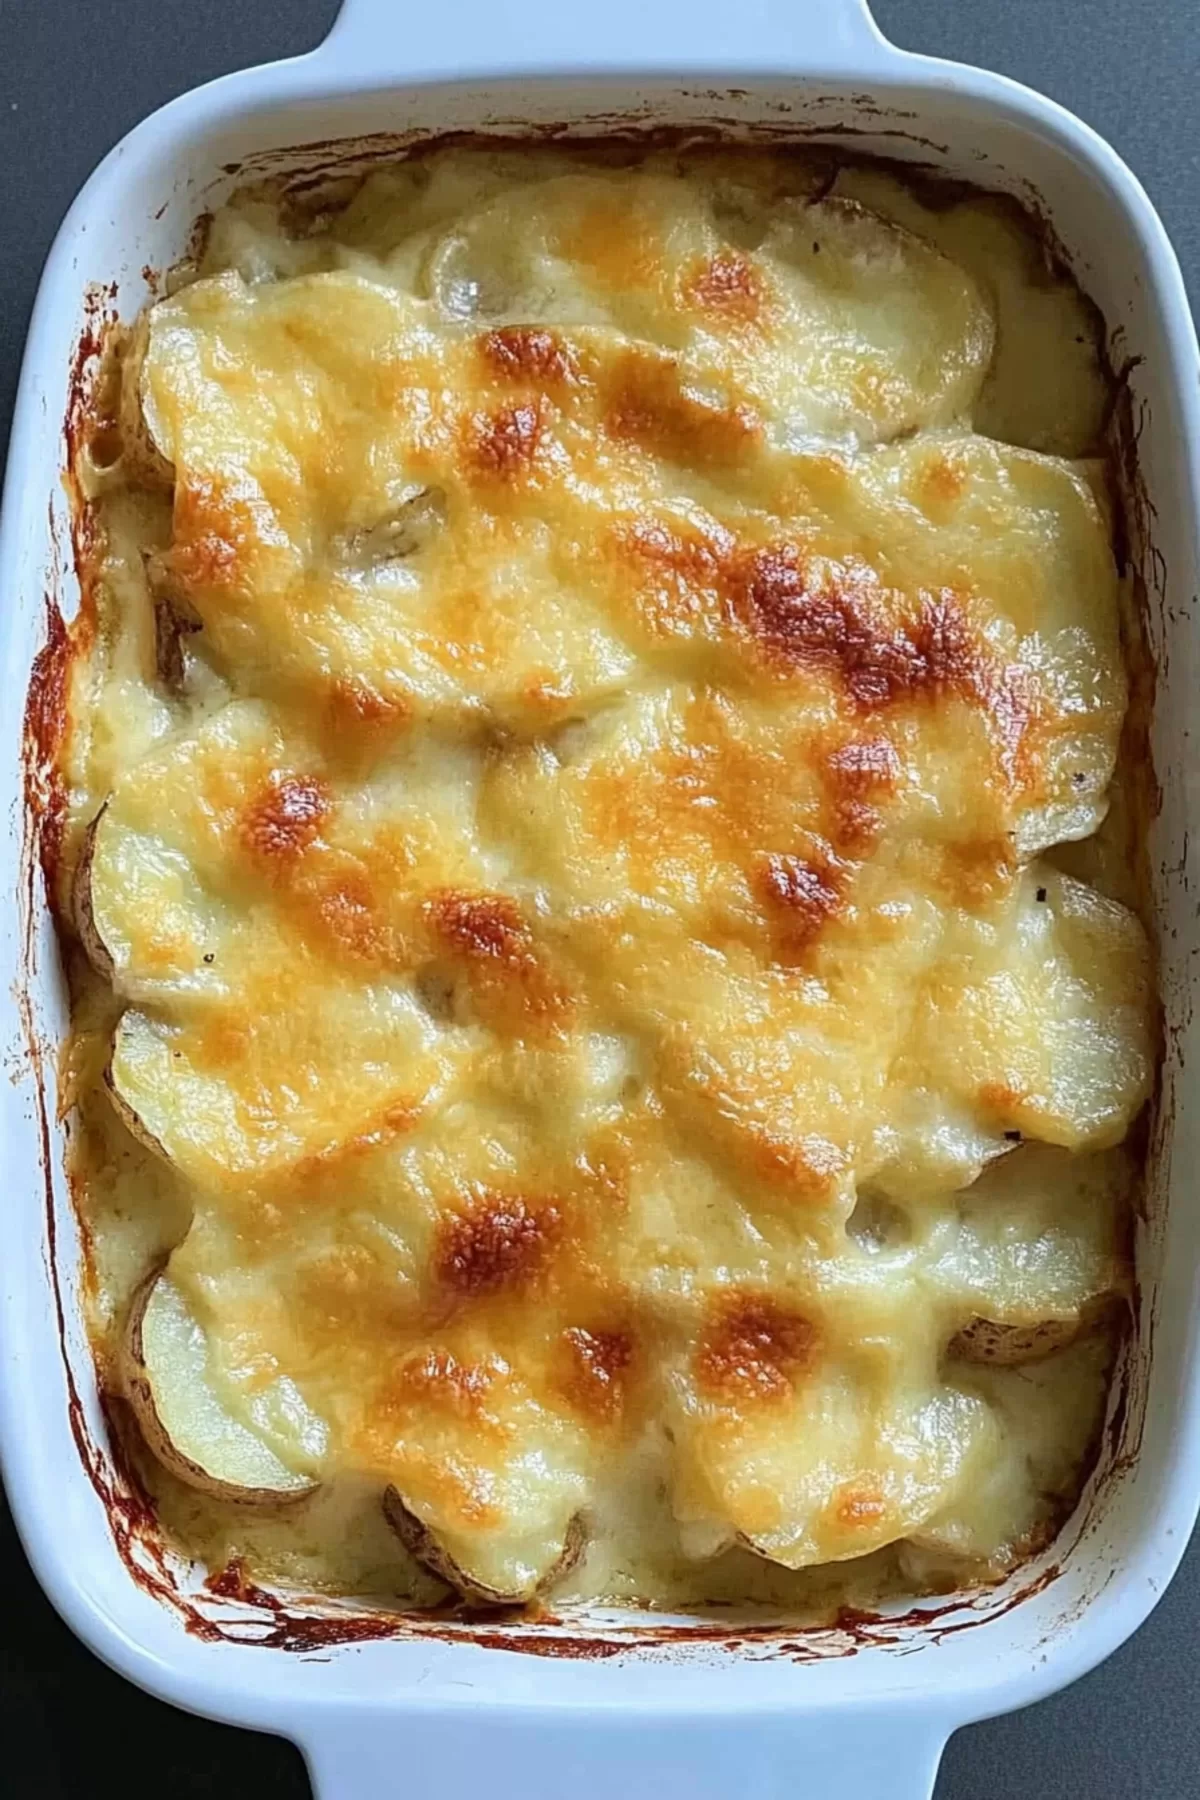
(586,703)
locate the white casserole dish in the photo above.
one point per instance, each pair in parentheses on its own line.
(863,1709)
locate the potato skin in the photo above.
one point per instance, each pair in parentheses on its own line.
(1007,1346)
(82,911)
(423,1544)
(172,626)
(131,1118)
(138,1389)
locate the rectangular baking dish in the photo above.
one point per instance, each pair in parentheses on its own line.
(667,1709)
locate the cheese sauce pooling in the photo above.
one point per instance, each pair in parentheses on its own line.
(597,664)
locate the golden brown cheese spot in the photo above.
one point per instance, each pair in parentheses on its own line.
(807,1168)
(284,820)
(942,481)
(817,616)
(972,874)
(858,774)
(1000,1099)
(356,702)
(678,578)
(801,896)
(509,981)
(389,1122)
(215,531)
(529,353)
(863,767)
(439,1378)
(348,914)
(482,927)
(617,242)
(822,617)
(647,405)
(504,444)
(597,1365)
(753,1349)
(727,288)
(501,1245)
(429,1388)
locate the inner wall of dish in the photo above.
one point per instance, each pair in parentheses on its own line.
(790,1597)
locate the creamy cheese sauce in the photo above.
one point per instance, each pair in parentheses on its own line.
(613,974)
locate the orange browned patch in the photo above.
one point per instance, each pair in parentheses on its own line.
(859,772)
(974,873)
(680,577)
(505,444)
(998,1098)
(481,926)
(618,242)
(390,1121)
(860,1503)
(286,817)
(354,701)
(500,1245)
(752,1349)
(943,478)
(801,896)
(529,352)
(348,912)
(463,1493)
(438,1376)
(215,531)
(509,982)
(646,404)
(869,766)
(855,826)
(814,614)
(598,1361)
(728,287)
(808,1165)
(822,616)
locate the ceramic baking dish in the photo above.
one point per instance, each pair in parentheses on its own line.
(609,1701)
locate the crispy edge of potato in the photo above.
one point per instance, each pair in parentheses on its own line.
(83,912)
(423,1544)
(138,1389)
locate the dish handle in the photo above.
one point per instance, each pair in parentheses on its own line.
(453,1754)
(455,38)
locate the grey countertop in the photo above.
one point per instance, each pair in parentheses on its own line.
(74,77)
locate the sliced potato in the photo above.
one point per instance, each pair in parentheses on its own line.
(1047,1416)
(430,1550)
(1033,1255)
(166,1377)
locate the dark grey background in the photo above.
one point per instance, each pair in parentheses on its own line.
(74,76)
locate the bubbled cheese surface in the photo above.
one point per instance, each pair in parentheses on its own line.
(586,947)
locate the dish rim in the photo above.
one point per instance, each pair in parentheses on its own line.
(1111,1616)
